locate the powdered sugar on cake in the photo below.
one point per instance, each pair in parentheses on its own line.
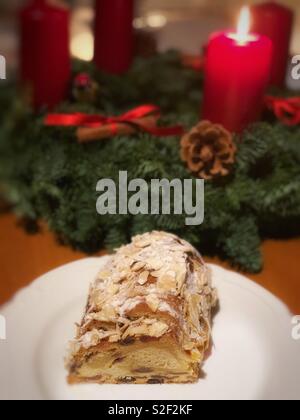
(156,285)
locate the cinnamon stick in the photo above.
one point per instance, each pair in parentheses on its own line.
(87,135)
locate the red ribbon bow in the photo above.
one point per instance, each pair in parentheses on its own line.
(130,117)
(287,110)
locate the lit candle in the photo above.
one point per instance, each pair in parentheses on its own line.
(45,59)
(237,72)
(114,36)
(276,22)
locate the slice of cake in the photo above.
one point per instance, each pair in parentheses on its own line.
(148,316)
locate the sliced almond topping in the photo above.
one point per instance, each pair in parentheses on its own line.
(138,265)
(158,329)
(167,282)
(113,289)
(108,313)
(105,274)
(135,330)
(194,302)
(142,242)
(99,298)
(196,355)
(188,346)
(157,273)
(115,338)
(181,277)
(143,278)
(153,302)
(155,263)
(123,274)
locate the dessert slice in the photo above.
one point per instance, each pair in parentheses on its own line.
(148,316)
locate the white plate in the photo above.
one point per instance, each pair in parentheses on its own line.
(254,355)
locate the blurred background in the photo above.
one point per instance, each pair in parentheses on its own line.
(180,24)
(183,24)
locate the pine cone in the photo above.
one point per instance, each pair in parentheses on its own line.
(209,150)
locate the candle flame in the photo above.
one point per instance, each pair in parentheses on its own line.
(244,24)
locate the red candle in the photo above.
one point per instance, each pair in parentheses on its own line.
(114,39)
(276,22)
(45,59)
(237,72)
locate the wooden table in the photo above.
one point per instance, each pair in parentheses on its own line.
(23,258)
